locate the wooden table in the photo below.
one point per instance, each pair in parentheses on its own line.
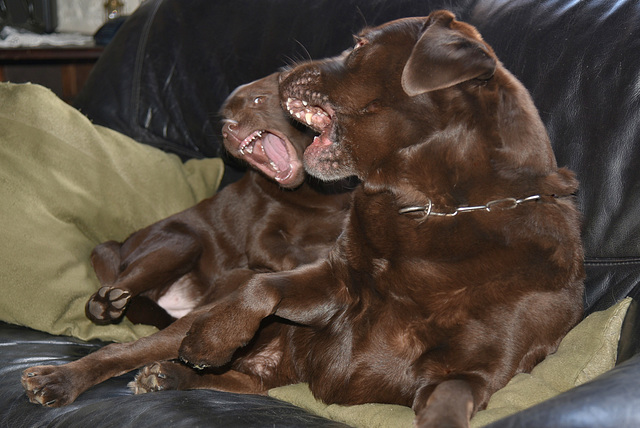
(62,69)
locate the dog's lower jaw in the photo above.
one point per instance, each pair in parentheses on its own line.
(325,159)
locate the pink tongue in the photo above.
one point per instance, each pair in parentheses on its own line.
(276,150)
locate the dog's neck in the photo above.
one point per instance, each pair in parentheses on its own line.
(420,194)
(424,212)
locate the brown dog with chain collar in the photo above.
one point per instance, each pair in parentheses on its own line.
(461,264)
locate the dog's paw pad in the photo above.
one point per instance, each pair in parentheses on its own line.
(107,305)
(155,377)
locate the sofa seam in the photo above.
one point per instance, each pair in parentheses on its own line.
(136,87)
(612,261)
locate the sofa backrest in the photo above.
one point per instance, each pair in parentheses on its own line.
(581,62)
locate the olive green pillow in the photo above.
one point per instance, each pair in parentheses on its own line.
(65,186)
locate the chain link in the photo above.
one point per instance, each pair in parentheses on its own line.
(495,205)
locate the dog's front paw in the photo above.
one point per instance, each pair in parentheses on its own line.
(200,351)
(107,305)
(214,338)
(161,376)
(51,386)
(215,335)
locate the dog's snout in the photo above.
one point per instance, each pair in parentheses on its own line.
(229,127)
(302,75)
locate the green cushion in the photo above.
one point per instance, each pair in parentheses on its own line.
(65,186)
(589,350)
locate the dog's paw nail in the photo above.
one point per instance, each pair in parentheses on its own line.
(162,376)
(31,374)
(201,366)
(50,403)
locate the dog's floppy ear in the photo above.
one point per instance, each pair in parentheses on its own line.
(445,56)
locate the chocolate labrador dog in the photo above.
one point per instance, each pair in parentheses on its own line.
(461,262)
(200,255)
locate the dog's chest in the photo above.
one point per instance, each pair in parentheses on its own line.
(179,299)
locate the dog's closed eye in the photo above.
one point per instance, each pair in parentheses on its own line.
(373,107)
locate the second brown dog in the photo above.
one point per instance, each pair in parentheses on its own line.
(200,255)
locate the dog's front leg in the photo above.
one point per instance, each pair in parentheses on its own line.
(449,405)
(59,385)
(304,295)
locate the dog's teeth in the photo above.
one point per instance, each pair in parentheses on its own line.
(307,117)
(304,103)
(250,149)
(274,166)
(299,115)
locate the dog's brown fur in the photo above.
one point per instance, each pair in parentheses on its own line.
(198,256)
(433,312)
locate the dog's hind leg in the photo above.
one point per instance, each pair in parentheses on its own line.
(151,259)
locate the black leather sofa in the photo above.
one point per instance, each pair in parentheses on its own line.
(163,77)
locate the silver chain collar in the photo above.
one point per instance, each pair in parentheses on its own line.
(496,205)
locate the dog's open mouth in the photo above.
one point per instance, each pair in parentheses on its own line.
(322,158)
(272,154)
(316,116)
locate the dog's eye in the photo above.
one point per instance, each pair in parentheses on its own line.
(259,99)
(372,107)
(359,42)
